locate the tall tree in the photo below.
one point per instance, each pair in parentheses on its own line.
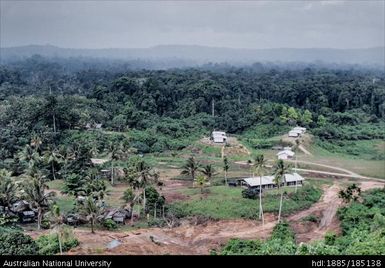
(130,197)
(91,209)
(145,178)
(35,191)
(8,189)
(53,159)
(260,169)
(280,170)
(30,156)
(57,221)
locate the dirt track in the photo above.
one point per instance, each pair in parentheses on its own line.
(201,238)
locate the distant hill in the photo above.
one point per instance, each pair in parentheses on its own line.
(203,54)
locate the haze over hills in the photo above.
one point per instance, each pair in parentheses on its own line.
(203,54)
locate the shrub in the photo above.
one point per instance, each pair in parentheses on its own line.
(153,198)
(17,243)
(250,193)
(158,222)
(242,247)
(109,224)
(7,220)
(49,244)
(45,224)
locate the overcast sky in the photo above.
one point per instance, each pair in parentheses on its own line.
(240,24)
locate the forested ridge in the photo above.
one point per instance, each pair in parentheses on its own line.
(164,109)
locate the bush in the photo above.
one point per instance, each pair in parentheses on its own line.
(242,247)
(45,224)
(7,220)
(158,222)
(281,242)
(250,193)
(311,218)
(110,224)
(153,199)
(17,243)
(49,244)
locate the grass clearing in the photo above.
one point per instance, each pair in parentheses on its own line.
(222,202)
(361,164)
(56,185)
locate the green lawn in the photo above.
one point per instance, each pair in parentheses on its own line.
(362,160)
(221,202)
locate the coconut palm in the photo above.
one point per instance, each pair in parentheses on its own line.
(225,167)
(208,171)
(116,153)
(35,191)
(57,221)
(130,197)
(201,181)
(53,158)
(91,209)
(260,170)
(36,142)
(30,156)
(191,167)
(280,170)
(144,178)
(8,189)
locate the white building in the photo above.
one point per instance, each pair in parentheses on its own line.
(285,154)
(295,133)
(267,182)
(302,129)
(219,136)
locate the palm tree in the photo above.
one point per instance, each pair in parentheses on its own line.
(130,198)
(260,169)
(92,210)
(279,177)
(93,187)
(36,142)
(36,194)
(8,189)
(53,158)
(117,153)
(201,181)
(190,167)
(29,155)
(57,219)
(208,171)
(225,167)
(144,176)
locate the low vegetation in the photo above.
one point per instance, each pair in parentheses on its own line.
(363,233)
(222,202)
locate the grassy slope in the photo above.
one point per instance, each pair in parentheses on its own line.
(360,163)
(221,202)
